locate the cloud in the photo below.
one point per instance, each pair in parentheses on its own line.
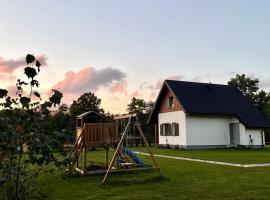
(148,90)
(119,87)
(159,82)
(136,93)
(8,66)
(12,91)
(265,83)
(7,77)
(90,79)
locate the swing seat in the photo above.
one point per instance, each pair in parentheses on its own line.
(120,161)
(126,164)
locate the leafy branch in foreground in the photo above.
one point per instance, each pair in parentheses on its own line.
(28,141)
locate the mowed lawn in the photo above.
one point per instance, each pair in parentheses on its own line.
(239,156)
(182,179)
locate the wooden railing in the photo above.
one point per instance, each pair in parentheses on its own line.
(99,134)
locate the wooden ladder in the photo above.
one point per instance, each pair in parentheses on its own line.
(76,151)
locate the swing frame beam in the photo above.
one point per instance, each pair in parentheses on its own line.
(138,126)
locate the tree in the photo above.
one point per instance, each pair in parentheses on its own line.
(86,102)
(142,109)
(262,101)
(150,106)
(28,141)
(61,118)
(138,106)
(250,88)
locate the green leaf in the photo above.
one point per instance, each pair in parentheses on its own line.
(19,82)
(3,93)
(25,102)
(30,72)
(38,65)
(37,94)
(34,83)
(30,58)
(55,99)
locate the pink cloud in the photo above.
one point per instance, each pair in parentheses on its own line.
(90,79)
(153,94)
(175,77)
(11,91)
(119,87)
(8,66)
(135,94)
(148,90)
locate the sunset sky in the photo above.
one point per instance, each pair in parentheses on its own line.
(124,48)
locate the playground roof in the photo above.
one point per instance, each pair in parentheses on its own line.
(90,114)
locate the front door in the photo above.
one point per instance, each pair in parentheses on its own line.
(234,134)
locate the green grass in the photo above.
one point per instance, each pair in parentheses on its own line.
(240,156)
(183,179)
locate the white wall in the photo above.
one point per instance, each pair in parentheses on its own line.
(204,130)
(170,117)
(256,135)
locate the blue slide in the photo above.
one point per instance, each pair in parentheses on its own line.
(133,156)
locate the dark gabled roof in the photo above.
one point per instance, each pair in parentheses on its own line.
(213,99)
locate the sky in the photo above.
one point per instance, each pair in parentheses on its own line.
(124,48)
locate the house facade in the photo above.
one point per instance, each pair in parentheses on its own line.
(200,115)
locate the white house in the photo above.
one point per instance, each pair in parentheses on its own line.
(193,115)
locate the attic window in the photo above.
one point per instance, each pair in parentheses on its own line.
(170,102)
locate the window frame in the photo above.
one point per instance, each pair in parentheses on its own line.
(175,129)
(170,102)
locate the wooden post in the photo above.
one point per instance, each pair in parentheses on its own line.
(84,148)
(117,129)
(148,148)
(85,156)
(107,157)
(156,135)
(116,151)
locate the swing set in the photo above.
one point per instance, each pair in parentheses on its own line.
(92,132)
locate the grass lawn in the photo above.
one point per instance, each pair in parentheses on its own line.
(183,179)
(239,156)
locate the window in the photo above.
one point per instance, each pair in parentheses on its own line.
(162,130)
(175,129)
(168,129)
(170,102)
(165,129)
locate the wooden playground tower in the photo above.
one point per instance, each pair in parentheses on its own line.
(91,133)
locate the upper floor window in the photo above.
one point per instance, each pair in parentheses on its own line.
(170,102)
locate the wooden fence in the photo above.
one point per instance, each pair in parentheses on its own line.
(99,134)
